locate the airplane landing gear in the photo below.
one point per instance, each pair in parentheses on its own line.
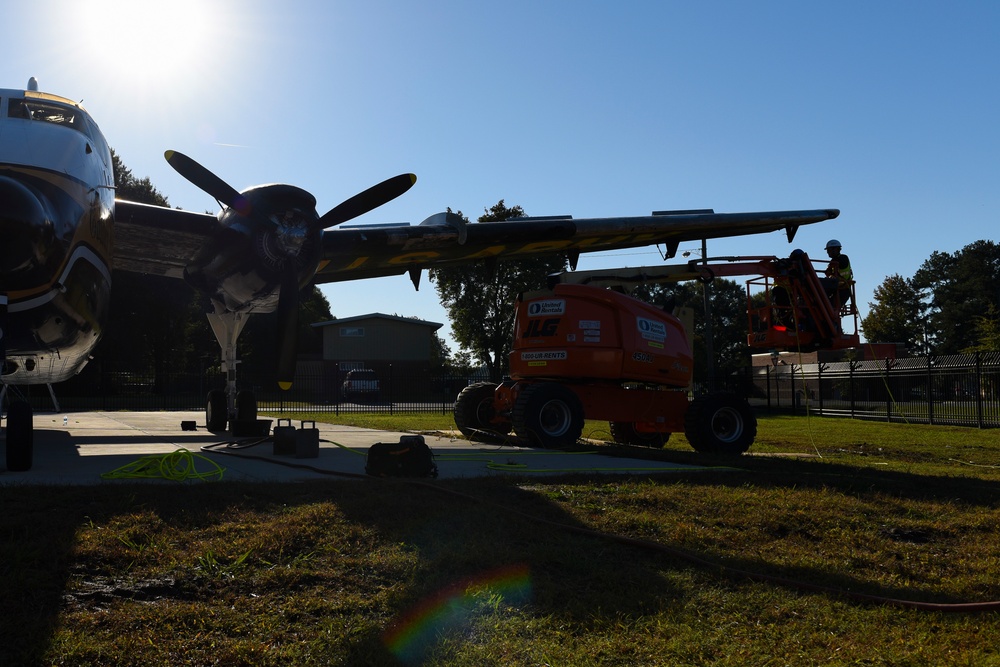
(216,412)
(225,407)
(20,436)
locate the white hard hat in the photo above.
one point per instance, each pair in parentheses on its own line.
(832,243)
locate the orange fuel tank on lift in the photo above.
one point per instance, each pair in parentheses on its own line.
(579,332)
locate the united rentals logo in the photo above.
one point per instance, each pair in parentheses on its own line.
(652,330)
(546,307)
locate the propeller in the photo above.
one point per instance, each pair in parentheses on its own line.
(368,200)
(288,322)
(288,297)
(207,181)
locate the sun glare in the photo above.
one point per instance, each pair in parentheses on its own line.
(158,40)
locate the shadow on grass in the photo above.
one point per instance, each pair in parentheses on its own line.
(416,559)
(458,558)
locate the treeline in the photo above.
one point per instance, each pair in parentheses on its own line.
(951,305)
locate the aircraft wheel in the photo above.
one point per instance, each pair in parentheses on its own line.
(20,436)
(625,433)
(246,406)
(216,411)
(720,423)
(474,411)
(548,415)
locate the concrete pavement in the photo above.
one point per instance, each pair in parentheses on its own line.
(88,447)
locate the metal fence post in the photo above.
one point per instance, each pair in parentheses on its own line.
(819,384)
(850,383)
(888,391)
(930,389)
(791,379)
(767,381)
(979,389)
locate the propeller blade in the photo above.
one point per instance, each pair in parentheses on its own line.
(368,200)
(288,321)
(206,181)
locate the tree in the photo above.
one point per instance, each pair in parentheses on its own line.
(987,332)
(959,288)
(480,297)
(895,316)
(128,187)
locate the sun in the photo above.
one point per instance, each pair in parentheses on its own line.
(152,40)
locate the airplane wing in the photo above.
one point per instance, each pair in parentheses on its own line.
(368,251)
(158,240)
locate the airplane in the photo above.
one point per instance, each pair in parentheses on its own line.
(62,231)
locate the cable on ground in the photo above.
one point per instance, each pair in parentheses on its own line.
(177,466)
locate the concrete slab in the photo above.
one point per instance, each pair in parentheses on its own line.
(87,447)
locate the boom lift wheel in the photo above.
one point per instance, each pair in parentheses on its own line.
(548,415)
(474,411)
(20,436)
(720,423)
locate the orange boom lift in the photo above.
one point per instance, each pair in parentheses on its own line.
(584,351)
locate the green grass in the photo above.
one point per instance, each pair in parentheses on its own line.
(507,571)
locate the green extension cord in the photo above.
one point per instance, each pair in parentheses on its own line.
(177,466)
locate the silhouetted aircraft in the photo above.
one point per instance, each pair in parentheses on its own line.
(62,231)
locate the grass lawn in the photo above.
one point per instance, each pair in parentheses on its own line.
(785,560)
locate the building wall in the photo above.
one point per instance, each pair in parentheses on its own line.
(377,339)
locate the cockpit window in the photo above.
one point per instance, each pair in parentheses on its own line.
(48,112)
(16,108)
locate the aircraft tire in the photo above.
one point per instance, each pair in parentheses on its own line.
(474,411)
(625,433)
(720,423)
(548,415)
(20,436)
(216,410)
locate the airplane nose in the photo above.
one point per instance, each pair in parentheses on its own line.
(25,231)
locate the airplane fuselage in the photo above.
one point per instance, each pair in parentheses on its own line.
(56,236)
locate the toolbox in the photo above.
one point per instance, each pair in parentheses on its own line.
(302,443)
(284,438)
(307,441)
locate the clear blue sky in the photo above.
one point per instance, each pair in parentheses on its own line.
(887,110)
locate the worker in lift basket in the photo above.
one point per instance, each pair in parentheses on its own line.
(839,275)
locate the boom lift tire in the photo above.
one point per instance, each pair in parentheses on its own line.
(625,433)
(474,411)
(548,415)
(720,423)
(216,410)
(20,436)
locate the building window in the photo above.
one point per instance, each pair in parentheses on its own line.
(352,331)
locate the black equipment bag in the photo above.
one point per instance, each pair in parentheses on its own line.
(410,457)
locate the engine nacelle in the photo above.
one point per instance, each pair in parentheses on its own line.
(242,266)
